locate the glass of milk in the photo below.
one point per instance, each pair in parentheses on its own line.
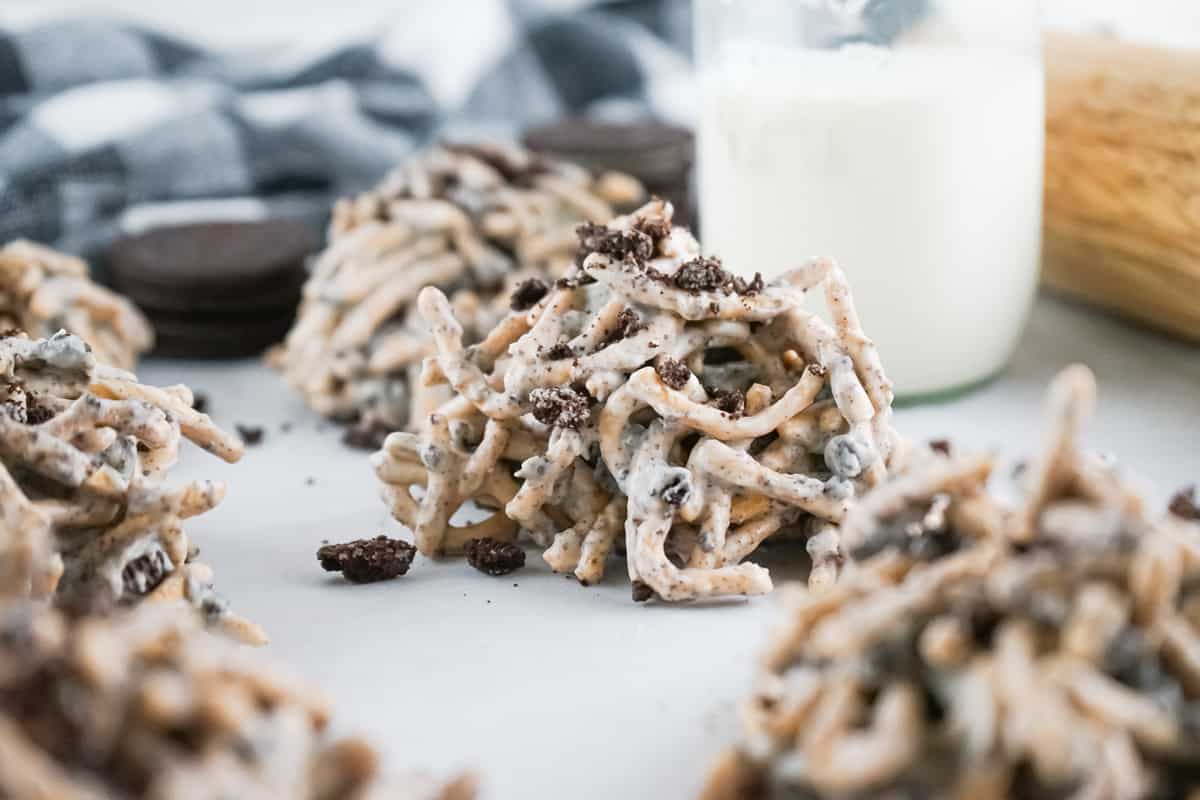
(902,137)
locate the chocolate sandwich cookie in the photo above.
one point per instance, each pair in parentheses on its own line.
(217,289)
(657,154)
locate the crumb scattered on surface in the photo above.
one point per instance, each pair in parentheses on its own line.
(941,446)
(1184,505)
(560,406)
(494,557)
(310,481)
(368,560)
(674,373)
(528,293)
(285,427)
(251,434)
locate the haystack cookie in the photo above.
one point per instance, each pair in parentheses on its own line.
(84,503)
(476,221)
(43,291)
(654,394)
(141,703)
(974,649)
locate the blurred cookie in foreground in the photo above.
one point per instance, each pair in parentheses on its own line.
(43,291)
(216,289)
(658,154)
(478,221)
(975,650)
(143,704)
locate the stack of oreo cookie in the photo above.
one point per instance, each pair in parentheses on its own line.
(657,154)
(216,290)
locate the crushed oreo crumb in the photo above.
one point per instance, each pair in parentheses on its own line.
(24,406)
(560,406)
(251,434)
(731,401)
(752,286)
(674,373)
(941,446)
(200,403)
(528,293)
(705,274)
(559,352)
(366,435)
(368,560)
(143,574)
(676,492)
(656,228)
(1184,505)
(494,557)
(627,324)
(618,245)
(641,592)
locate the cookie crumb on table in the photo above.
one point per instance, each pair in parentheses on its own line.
(251,434)
(1184,505)
(494,557)
(368,560)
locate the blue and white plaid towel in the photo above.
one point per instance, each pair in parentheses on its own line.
(105,127)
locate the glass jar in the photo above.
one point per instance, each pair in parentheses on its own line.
(904,138)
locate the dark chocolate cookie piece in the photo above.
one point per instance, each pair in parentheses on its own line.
(216,289)
(494,557)
(368,560)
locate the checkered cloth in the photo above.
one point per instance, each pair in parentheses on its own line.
(106,127)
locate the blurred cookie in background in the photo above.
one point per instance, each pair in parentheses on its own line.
(215,289)
(658,154)
(43,291)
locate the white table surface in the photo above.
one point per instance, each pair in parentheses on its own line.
(546,688)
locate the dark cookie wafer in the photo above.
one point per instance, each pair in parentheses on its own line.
(219,289)
(657,154)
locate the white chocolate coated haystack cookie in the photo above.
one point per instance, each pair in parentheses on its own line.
(85,510)
(143,704)
(650,393)
(473,220)
(43,291)
(976,649)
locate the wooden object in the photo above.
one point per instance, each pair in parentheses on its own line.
(1122,216)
